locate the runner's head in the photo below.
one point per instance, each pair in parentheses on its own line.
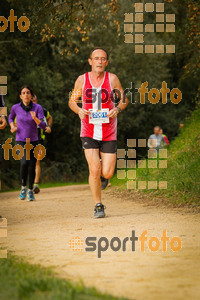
(34,99)
(98,59)
(161,131)
(26,94)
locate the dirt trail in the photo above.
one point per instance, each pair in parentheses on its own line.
(41,232)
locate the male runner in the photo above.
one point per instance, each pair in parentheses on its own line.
(41,137)
(98,121)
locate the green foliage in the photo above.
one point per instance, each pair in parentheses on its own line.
(182,173)
(54,51)
(20,280)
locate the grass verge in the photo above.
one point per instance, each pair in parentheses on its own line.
(20,280)
(182,173)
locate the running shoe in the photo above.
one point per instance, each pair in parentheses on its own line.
(31,196)
(104,183)
(36,189)
(99,211)
(22,195)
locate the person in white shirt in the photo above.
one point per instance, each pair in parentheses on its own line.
(156,140)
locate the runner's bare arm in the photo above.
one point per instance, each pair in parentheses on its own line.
(75,95)
(50,121)
(3,122)
(49,124)
(116,85)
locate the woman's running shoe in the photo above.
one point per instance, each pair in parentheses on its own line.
(22,195)
(31,196)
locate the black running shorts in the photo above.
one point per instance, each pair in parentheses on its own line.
(103,146)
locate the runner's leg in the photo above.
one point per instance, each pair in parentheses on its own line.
(31,170)
(108,161)
(31,173)
(24,164)
(23,172)
(37,172)
(93,160)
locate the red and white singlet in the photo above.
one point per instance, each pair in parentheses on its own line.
(98,98)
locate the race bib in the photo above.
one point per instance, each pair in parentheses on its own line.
(98,116)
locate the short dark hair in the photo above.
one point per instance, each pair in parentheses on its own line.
(99,48)
(26,87)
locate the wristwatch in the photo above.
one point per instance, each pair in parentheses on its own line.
(119,109)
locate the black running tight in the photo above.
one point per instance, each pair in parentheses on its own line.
(27,167)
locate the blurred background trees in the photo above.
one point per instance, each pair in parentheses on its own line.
(54,51)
